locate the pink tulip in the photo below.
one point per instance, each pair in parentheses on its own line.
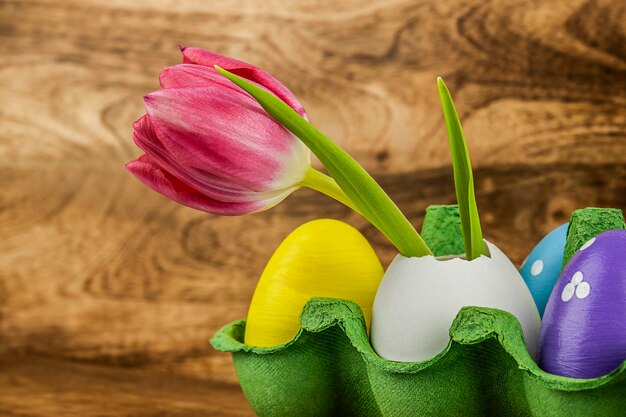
(210,146)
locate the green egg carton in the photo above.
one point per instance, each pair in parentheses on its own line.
(330,369)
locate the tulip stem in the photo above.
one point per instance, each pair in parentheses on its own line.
(321,182)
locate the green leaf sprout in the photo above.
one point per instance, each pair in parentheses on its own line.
(463,177)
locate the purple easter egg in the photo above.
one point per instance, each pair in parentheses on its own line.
(583,333)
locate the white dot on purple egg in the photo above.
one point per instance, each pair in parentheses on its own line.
(588,243)
(536,267)
(577,278)
(568,292)
(582,290)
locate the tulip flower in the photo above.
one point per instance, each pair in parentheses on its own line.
(210,146)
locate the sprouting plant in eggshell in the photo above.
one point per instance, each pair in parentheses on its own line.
(420,294)
(419,297)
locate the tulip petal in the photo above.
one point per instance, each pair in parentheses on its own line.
(146,171)
(219,132)
(189,75)
(210,59)
(215,186)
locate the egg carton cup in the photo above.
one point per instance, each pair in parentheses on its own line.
(329,368)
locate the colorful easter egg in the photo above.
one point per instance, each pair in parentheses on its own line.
(542,267)
(583,334)
(419,298)
(321,258)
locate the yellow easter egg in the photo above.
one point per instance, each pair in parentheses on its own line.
(321,258)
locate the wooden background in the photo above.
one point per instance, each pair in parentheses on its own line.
(109,292)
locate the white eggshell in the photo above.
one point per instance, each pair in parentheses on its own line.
(419,298)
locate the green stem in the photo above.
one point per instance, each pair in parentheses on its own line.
(326,185)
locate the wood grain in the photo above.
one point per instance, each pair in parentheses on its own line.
(109,293)
(33,386)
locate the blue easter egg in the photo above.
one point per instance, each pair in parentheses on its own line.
(543,265)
